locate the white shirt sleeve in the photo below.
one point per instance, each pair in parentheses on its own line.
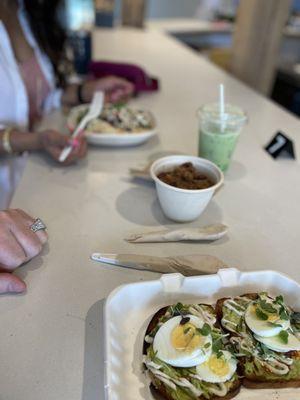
(53,100)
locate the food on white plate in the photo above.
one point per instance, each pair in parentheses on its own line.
(118,119)
(265,335)
(283,342)
(201,351)
(218,368)
(179,342)
(263,317)
(187,355)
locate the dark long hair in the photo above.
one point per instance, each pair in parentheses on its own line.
(46,26)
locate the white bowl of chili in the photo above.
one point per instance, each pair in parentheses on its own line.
(184,204)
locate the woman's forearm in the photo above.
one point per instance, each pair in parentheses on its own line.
(21,141)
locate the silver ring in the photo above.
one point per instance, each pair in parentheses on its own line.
(38,225)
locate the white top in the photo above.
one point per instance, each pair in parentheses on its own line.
(52,337)
(14,102)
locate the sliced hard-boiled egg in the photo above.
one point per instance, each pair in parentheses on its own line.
(218,368)
(178,342)
(292,343)
(264,327)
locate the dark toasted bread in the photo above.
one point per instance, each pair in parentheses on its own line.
(158,389)
(253,381)
(254,384)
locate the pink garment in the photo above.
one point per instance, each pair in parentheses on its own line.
(36,85)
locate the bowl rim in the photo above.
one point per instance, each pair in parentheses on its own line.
(188,158)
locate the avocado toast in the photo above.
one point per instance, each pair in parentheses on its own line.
(188,356)
(265,335)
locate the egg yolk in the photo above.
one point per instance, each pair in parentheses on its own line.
(184,337)
(218,366)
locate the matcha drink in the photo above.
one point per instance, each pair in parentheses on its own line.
(218,134)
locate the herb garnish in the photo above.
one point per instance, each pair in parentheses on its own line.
(217,345)
(260,314)
(267,307)
(283,314)
(186,330)
(265,349)
(219,354)
(177,309)
(279,300)
(284,336)
(205,330)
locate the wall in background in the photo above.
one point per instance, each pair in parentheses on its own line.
(166,8)
(80,12)
(172,8)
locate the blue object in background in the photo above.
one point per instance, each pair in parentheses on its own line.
(105,19)
(296,6)
(79,14)
(81,45)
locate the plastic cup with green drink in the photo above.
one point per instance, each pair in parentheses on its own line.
(220,126)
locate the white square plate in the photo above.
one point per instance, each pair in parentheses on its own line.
(129,308)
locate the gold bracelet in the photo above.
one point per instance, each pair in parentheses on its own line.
(6,141)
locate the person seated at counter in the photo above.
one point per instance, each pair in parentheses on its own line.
(21,239)
(33,82)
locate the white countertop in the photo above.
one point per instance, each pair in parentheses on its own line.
(51,338)
(201,27)
(189,25)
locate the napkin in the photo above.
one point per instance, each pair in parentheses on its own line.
(188,265)
(142,172)
(211,232)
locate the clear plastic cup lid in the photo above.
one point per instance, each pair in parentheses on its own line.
(232,114)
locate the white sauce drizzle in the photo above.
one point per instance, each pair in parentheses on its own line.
(148,339)
(198,311)
(163,378)
(222,391)
(275,366)
(227,321)
(232,305)
(275,363)
(168,380)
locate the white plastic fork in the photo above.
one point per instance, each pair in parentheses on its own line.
(93,112)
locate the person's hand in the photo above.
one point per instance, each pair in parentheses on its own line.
(53,142)
(10,283)
(116,89)
(18,244)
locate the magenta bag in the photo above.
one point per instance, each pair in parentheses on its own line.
(131,72)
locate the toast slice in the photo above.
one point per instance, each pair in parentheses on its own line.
(159,388)
(260,367)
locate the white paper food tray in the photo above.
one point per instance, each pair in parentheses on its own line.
(129,309)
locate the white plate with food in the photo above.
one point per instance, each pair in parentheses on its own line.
(116,126)
(258,354)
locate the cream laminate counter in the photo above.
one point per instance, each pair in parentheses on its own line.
(198,26)
(52,337)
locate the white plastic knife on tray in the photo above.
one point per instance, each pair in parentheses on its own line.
(188,265)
